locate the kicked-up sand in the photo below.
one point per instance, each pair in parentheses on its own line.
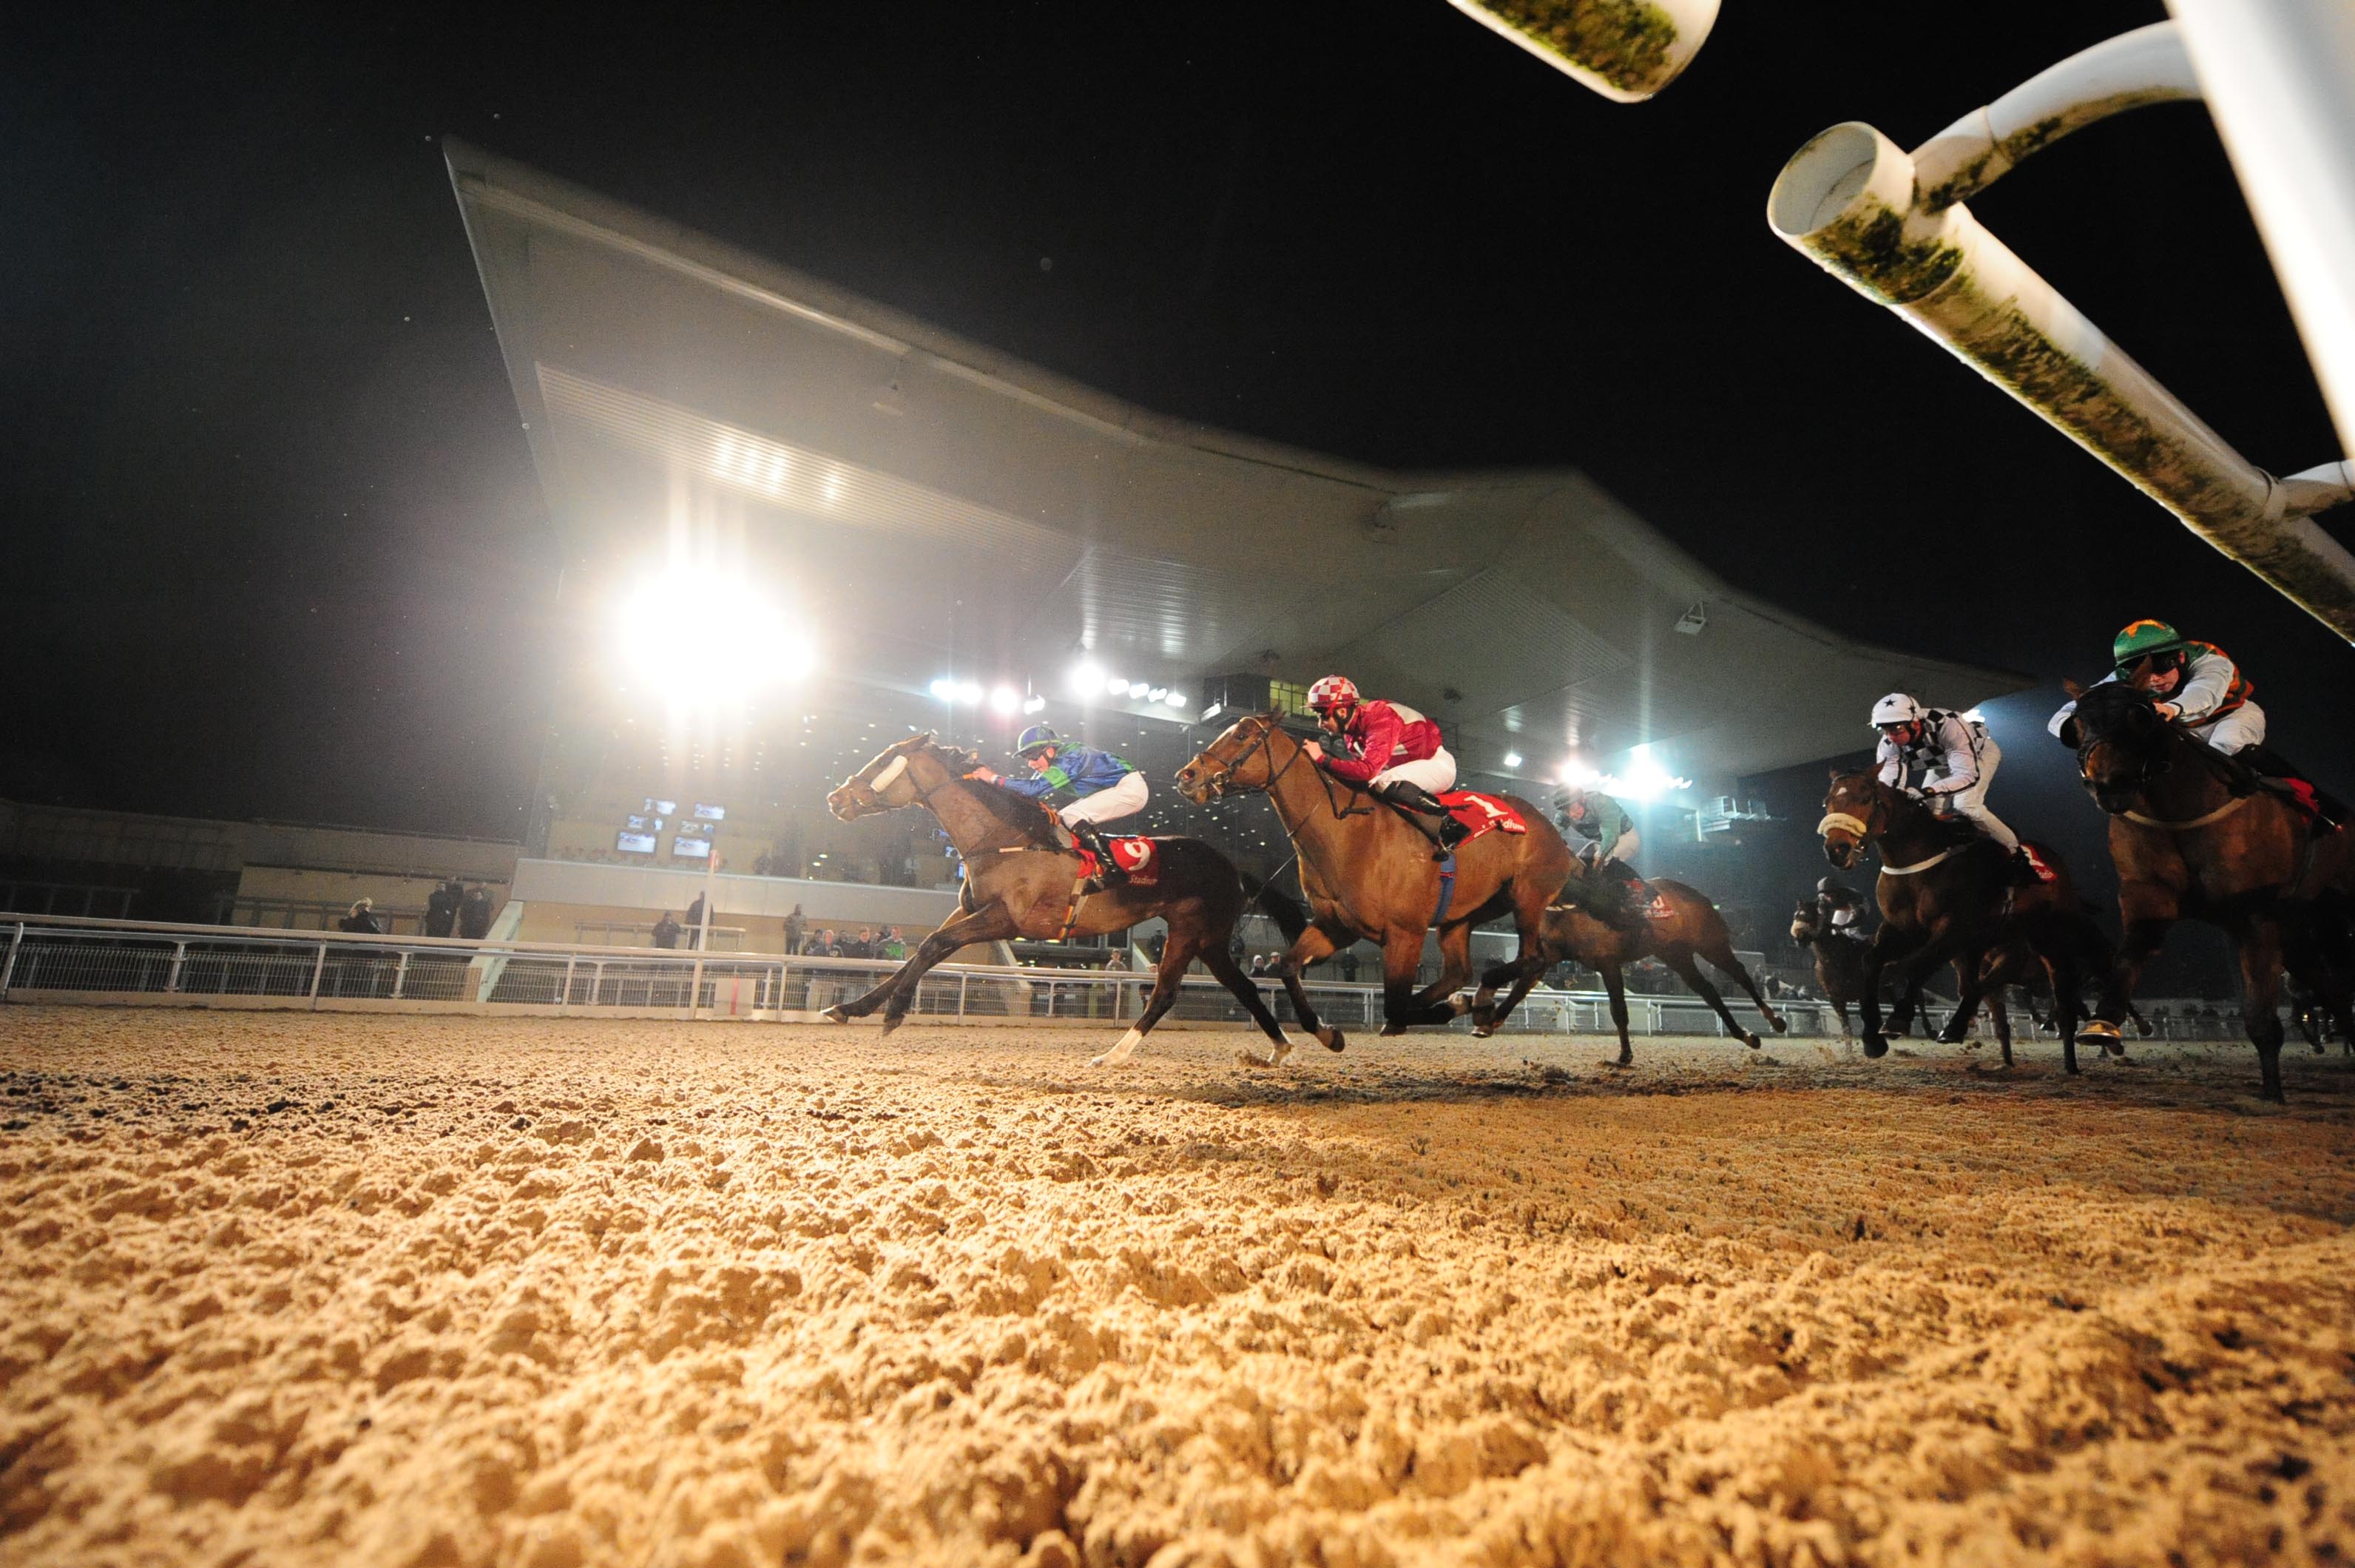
(313,1289)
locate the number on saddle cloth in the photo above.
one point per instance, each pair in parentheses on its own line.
(1480,813)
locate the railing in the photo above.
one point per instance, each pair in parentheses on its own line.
(63,960)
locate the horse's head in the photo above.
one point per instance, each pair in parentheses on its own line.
(1855,812)
(2121,740)
(1806,922)
(1240,758)
(886,783)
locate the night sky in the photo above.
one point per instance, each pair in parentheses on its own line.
(274,546)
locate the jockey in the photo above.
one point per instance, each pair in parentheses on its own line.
(1391,749)
(1956,759)
(2197,686)
(1610,845)
(1107,787)
(1842,909)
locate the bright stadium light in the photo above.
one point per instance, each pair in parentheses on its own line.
(719,638)
(1005,699)
(1512,758)
(1645,778)
(944,689)
(1156,694)
(1087,678)
(1036,705)
(1116,685)
(968,692)
(1176,699)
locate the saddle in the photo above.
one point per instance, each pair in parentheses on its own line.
(1136,860)
(1481,814)
(2262,767)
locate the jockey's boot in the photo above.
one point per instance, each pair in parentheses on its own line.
(2022,868)
(1093,840)
(1429,818)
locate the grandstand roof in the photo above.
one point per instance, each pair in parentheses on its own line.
(945,509)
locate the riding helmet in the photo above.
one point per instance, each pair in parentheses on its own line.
(1333,691)
(1038,738)
(1897,708)
(2141,640)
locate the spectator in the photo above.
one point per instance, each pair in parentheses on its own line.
(894,947)
(1258,964)
(441,907)
(796,930)
(1118,961)
(474,914)
(695,923)
(666,930)
(362,921)
(862,945)
(1349,964)
(823,947)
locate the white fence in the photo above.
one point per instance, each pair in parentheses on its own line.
(58,959)
(62,960)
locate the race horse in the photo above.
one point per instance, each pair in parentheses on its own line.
(1021,880)
(1838,954)
(1946,897)
(2195,835)
(1681,925)
(1367,873)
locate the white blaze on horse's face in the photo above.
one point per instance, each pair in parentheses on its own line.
(889,775)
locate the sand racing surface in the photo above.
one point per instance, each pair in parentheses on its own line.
(310,1289)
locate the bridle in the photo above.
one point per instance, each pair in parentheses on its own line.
(1215,785)
(2151,766)
(890,773)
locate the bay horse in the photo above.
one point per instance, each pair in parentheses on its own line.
(1946,899)
(1573,931)
(1019,873)
(1838,954)
(2194,835)
(1368,873)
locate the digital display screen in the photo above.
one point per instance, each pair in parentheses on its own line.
(696,829)
(711,813)
(635,843)
(645,825)
(698,848)
(653,807)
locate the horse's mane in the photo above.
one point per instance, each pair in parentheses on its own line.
(2108,703)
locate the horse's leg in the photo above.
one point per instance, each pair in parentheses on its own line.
(1526,972)
(1401,956)
(1888,944)
(1839,1005)
(1312,945)
(1912,969)
(2261,973)
(1617,986)
(1689,973)
(1229,974)
(1970,989)
(1175,956)
(910,972)
(1720,955)
(2068,982)
(2001,1017)
(988,924)
(1454,967)
(2146,911)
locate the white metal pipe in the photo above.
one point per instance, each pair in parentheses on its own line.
(2279,77)
(1624,50)
(1847,200)
(2148,65)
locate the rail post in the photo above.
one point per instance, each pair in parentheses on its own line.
(401,975)
(565,1001)
(961,979)
(8,967)
(318,969)
(172,975)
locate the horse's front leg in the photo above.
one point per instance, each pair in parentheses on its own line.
(1888,944)
(988,924)
(1312,945)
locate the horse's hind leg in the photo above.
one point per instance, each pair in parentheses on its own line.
(1310,946)
(1167,975)
(1722,957)
(1689,973)
(2001,1017)
(2261,974)
(1615,985)
(1223,966)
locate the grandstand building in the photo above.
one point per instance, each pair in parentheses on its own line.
(968,543)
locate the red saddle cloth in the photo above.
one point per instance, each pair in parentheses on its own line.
(1481,813)
(1138,859)
(2038,857)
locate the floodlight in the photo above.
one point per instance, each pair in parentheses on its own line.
(714,636)
(944,689)
(1176,699)
(1117,686)
(1512,758)
(968,692)
(1087,677)
(1156,694)
(1005,699)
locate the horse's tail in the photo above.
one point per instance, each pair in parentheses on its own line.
(1291,916)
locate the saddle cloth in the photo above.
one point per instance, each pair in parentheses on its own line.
(2038,857)
(1481,813)
(1138,859)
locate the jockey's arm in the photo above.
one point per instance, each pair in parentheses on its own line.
(1891,758)
(2205,682)
(1380,738)
(1038,785)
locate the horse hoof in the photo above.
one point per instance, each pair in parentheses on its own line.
(1950,1037)
(1876,1045)
(1624,1059)
(1482,1031)
(1782,1025)
(1330,1038)
(1390,1029)
(1751,1042)
(1272,1059)
(835,1015)
(889,1023)
(1118,1053)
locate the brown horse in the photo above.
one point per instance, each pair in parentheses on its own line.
(1573,931)
(2194,834)
(1840,956)
(1368,873)
(1019,871)
(1948,899)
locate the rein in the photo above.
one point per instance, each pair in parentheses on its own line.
(1849,822)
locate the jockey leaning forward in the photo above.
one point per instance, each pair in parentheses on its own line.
(1104,787)
(2197,686)
(1954,759)
(1390,748)
(1604,835)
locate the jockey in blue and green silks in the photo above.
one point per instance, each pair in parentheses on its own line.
(1104,787)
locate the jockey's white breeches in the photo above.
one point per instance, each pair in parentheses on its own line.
(1971,803)
(1122,799)
(2245,726)
(1433,773)
(1625,850)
